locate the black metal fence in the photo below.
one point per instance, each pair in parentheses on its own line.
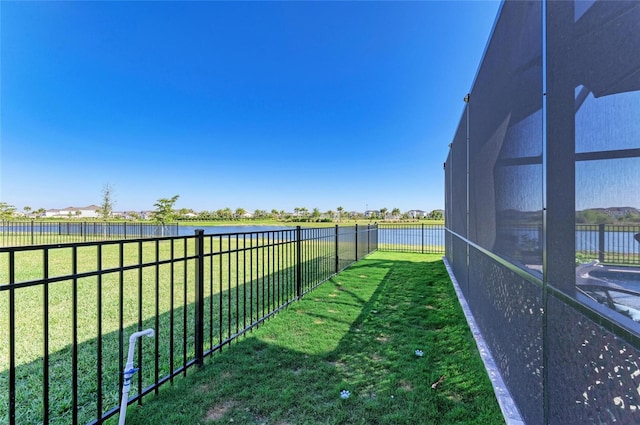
(423,238)
(68,310)
(608,243)
(30,232)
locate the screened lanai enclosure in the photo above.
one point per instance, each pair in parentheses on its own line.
(543,208)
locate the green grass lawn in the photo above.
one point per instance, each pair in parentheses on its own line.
(357,332)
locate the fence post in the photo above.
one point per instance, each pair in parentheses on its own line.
(199,301)
(422,239)
(368,238)
(356,242)
(337,259)
(601,242)
(32,232)
(298,263)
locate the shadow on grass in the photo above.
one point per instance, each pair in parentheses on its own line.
(228,312)
(357,332)
(233,309)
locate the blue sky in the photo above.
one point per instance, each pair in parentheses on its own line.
(258,105)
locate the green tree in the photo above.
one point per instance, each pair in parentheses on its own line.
(164,212)
(436,215)
(27,210)
(106,205)
(395,212)
(383,213)
(340,211)
(182,212)
(240,212)
(6,211)
(226,214)
(316,214)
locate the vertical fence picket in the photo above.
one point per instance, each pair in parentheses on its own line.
(298,263)
(12,340)
(74,355)
(45,337)
(199,298)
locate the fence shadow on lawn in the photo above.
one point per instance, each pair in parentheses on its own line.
(356,332)
(228,312)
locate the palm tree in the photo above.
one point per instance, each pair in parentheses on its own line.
(395,213)
(383,213)
(340,210)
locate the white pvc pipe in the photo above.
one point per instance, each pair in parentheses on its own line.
(129,371)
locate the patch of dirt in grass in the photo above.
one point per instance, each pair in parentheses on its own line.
(376,358)
(455,397)
(219,410)
(337,364)
(429,307)
(332,311)
(382,338)
(318,322)
(406,385)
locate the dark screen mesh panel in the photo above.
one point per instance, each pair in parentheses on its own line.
(458,159)
(447,203)
(606,74)
(458,261)
(583,346)
(505,126)
(594,376)
(508,311)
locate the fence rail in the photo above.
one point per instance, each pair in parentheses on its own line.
(30,232)
(68,310)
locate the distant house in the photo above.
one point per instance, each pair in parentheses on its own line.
(74,212)
(372,213)
(417,213)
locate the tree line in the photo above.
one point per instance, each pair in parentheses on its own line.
(166,212)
